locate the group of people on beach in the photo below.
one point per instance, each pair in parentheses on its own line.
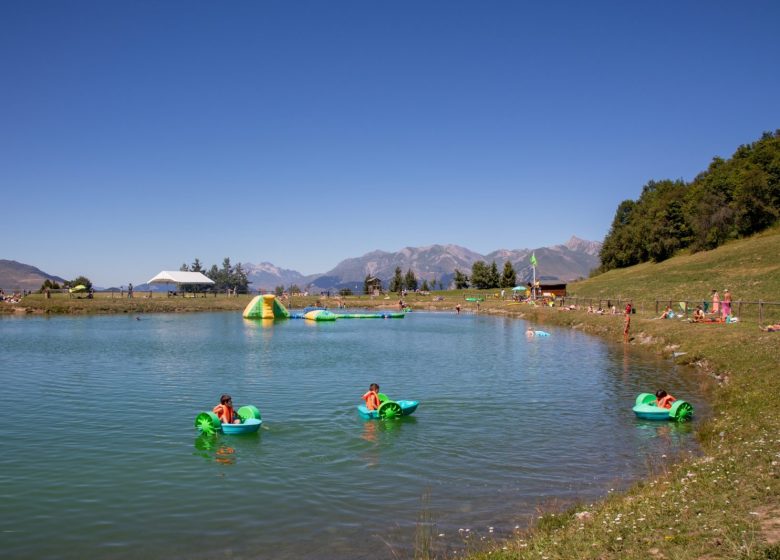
(721,306)
(720,310)
(16,297)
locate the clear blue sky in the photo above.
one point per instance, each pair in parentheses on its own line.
(135,136)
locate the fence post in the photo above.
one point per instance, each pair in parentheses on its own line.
(760,313)
(656,307)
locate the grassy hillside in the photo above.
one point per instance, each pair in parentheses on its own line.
(750,268)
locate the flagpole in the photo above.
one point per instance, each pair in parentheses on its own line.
(533,289)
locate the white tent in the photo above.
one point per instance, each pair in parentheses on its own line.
(180,277)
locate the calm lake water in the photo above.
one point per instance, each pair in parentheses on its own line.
(100,457)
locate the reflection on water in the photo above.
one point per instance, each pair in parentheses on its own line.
(210,447)
(665,434)
(505,423)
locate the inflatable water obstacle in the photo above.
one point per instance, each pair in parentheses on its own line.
(268,306)
(380,315)
(315,314)
(209,423)
(388,409)
(646,409)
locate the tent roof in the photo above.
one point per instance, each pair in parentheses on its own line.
(180,277)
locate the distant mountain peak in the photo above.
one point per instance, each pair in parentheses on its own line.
(576,244)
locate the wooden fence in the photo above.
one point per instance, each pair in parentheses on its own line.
(760,312)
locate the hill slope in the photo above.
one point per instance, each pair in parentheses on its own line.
(18,276)
(749,268)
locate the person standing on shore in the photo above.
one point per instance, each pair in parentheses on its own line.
(627,323)
(726,304)
(715,302)
(130,291)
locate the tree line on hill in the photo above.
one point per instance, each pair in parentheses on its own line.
(733,198)
(483,277)
(228,277)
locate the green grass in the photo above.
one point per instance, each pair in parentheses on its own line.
(749,268)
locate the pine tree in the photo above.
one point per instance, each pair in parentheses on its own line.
(493,278)
(480,275)
(461,280)
(397,282)
(509,276)
(410,280)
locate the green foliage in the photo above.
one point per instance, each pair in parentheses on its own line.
(80,280)
(484,277)
(397,281)
(461,280)
(50,284)
(226,278)
(345,292)
(479,275)
(493,277)
(424,286)
(733,198)
(508,276)
(410,280)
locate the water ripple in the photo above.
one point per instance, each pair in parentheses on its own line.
(504,424)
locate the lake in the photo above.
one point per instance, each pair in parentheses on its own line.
(101,458)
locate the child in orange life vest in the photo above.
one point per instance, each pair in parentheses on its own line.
(224,410)
(372,397)
(663,399)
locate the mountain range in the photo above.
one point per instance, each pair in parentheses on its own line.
(560,263)
(434,263)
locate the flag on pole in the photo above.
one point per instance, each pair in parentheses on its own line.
(533,258)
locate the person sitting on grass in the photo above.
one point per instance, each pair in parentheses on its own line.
(698,315)
(663,399)
(372,397)
(667,314)
(224,411)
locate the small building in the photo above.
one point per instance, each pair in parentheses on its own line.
(373,285)
(558,290)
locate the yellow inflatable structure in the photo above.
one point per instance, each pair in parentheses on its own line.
(266,306)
